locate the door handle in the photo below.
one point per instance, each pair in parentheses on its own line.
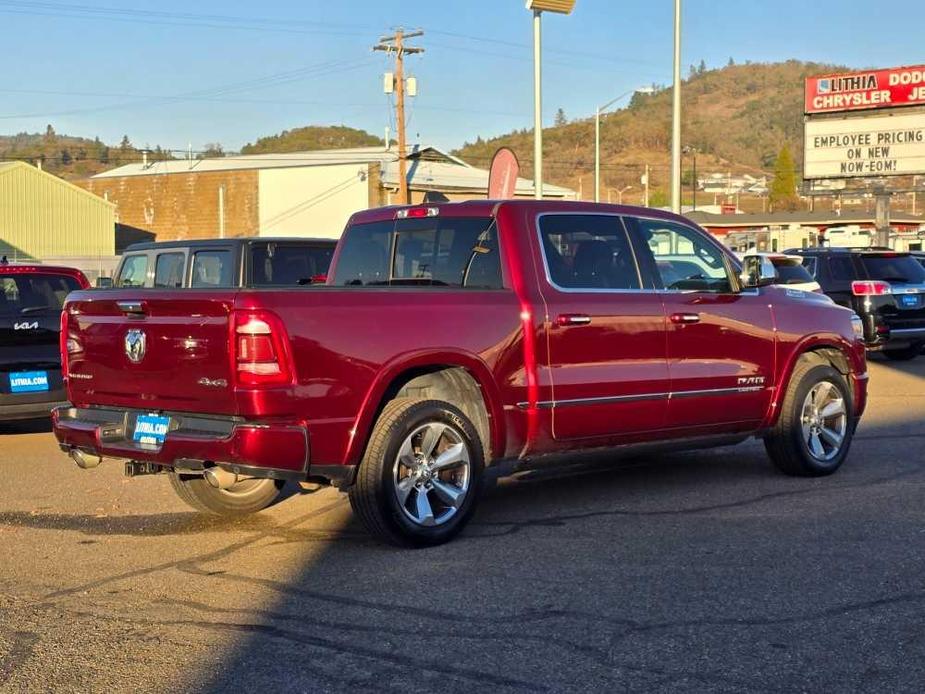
(685,318)
(564,319)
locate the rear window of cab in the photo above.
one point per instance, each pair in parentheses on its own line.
(457,252)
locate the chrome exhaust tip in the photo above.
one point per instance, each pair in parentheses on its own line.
(219,477)
(85,460)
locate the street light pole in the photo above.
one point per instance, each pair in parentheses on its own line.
(597,155)
(538,7)
(694,183)
(537,107)
(693,152)
(676,115)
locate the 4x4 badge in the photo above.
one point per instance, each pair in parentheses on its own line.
(135,345)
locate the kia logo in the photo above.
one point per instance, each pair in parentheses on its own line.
(135,345)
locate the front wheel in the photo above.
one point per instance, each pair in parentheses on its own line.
(240,499)
(816,423)
(419,479)
(904,353)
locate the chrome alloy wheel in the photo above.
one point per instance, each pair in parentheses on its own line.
(431,474)
(824,421)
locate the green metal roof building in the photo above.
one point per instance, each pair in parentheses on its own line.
(45,217)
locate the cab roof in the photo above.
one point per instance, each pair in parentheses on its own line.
(224,243)
(490,208)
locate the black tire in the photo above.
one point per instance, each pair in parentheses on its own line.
(904,353)
(375,494)
(243,498)
(787,443)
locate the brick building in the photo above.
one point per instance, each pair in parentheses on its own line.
(293,194)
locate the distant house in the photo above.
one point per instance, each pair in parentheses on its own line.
(293,194)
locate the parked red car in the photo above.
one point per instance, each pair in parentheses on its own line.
(451,339)
(31,297)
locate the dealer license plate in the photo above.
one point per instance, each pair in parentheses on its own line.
(29,382)
(910,300)
(151,429)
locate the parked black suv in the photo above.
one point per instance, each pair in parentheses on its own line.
(31,297)
(217,263)
(885,288)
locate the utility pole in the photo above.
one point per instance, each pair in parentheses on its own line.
(676,115)
(882,215)
(645,182)
(396,44)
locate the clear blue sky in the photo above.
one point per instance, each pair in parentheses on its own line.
(172,73)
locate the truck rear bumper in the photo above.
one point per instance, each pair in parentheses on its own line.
(31,410)
(192,442)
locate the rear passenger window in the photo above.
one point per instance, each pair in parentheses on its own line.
(134,271)
(810,264)
(212,269)
(842,269)
(587,251)
(168,270)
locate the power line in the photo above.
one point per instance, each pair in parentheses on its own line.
(154,17)
(315,71)
(285,25)
(294,102)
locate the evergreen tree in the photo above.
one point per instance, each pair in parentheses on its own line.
(212,149)
(560,118)
(126,144)
(702,68)
(782,195)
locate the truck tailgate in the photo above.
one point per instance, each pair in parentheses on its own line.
(158,350)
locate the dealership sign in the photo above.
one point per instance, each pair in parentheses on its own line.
(872,145)
(855,91)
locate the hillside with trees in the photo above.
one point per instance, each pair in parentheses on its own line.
(71,157)
(738,119)
(312,137)
(74,157)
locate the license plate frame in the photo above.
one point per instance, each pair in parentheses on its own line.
(151,430)
(24,382)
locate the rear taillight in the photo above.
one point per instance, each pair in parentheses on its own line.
(870,288)
(62,344)
(261,350)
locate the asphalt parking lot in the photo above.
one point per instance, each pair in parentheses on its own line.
(702,571)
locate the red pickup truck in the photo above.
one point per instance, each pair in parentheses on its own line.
(452,341)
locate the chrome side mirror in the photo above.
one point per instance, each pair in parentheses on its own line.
(757,271)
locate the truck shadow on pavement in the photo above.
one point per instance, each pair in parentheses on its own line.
(698,571)
(150,525)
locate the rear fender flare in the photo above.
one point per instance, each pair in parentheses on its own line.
(807,344)
(391,371)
